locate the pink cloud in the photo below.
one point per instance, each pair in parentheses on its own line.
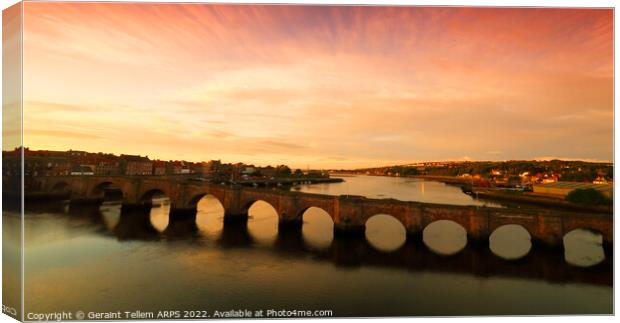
(373,84)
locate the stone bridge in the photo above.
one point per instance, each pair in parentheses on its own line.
(349,213)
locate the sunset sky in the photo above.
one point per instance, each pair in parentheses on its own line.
(325,87)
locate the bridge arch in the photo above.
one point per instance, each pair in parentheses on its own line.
(197,198)
(510,241)
(595,224)
(445,237)
(263,220)
(385,232)
(193,202)
(583,247)
(304,211)
(250,203)
(317,227)
(102,188)
(210,213)
(249,197)
(154,193)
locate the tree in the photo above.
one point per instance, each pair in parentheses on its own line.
(588,196)
(283,171)
(610,173)
(315,174)
(299,173)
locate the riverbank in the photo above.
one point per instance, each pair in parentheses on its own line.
(453,179)
(436,178)
(518,197)
(288,181)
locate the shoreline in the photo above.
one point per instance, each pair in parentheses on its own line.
(288,181)
(519,198)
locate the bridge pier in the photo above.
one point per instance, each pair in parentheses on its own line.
(135,224)
(289,238)
(348,251)
(236,218)
(135,207)
(183,214)
(349,230)
(287,224)
(181,223)
(608,249)
(478,240)
(235,232)
(549,243)
(415,236)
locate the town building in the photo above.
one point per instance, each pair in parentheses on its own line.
(107,168)
(135,165)
(159,167)
(600,180)
(45,163)
(82,170)
(177,167)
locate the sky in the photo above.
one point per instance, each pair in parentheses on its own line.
(319,86)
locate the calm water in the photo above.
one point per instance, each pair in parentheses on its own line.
(94,258)
(404,189)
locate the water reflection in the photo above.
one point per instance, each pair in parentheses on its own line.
(583,248)
(235,234)
(110,214)
(210,216)
(385,233)
(510,242)
(228,269)
(160,213)
(445,237)
(318,228)
(404,189)
(355,252)
(262,222)
(11,263)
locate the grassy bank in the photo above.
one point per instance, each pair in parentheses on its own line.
(538,200)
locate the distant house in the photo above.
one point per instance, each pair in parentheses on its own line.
(159,167)
(211,168)
(107,165)
(268,172)
(45,163)
(136,165)
(600,180)
(550,179)
(177,167)
(248,171)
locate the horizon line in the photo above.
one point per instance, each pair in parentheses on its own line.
(468,160)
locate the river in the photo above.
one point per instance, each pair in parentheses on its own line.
(95,258)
